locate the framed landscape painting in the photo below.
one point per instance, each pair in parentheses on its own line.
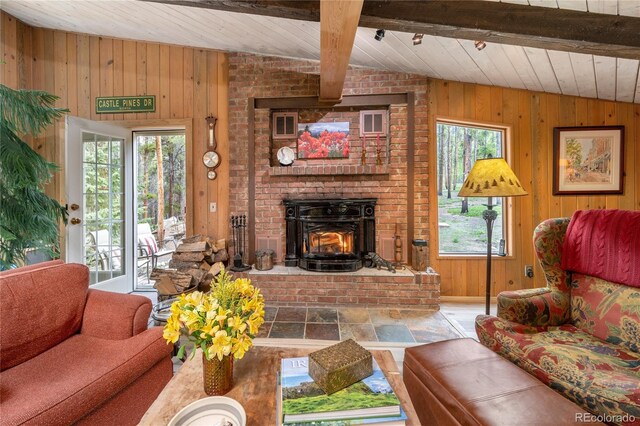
(588,160)
(323,140)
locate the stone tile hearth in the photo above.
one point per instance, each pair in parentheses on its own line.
(360,324)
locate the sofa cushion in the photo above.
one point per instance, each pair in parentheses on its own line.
(63,384)
(44,306)
(604,244)
(606,310)
(601,377)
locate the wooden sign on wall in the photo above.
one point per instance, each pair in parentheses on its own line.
(125,104)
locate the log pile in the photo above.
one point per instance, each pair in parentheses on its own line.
(196,261)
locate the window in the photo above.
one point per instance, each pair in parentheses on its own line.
(285,125)
(373,123)
(161,206)
(461,228)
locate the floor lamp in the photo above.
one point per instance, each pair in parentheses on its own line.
(491,177)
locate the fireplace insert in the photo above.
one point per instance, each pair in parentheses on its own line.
(331,235)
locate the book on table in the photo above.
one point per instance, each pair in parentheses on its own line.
(370,401)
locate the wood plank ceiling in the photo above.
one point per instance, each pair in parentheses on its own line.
(502,65)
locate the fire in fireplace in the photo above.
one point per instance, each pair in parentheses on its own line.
(329,235)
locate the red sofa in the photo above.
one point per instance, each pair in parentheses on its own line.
(581,334)
(69,354)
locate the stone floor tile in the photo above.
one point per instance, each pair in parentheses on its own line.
(322,332)
(264,329)
(322,315)
(353,315)
(358,332)
(429,334)
(393,333)
(270,313)
(421,317)
(385,316)
(291,314)
(287,330)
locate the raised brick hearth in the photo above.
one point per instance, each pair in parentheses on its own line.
(286,286)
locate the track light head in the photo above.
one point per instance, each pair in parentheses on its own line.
(417,39)
(379,34)
(479,44)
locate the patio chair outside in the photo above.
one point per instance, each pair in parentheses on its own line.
(148,247)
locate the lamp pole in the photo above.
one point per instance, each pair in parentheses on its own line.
(489,216)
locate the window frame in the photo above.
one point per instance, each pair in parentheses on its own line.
(384,113)
(508,208)
(284,116)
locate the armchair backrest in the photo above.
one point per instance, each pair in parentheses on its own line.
(548,239)
(602,249)
(40,306)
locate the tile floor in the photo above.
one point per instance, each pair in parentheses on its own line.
(362,324)
(463,315)
(455,319)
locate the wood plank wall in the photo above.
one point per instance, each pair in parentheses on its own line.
(531,117)
(188,83)
(192,83)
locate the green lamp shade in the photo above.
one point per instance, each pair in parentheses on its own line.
(491,177)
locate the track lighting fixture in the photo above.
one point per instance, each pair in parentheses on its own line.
(379,34)
(417,39)
(479,44)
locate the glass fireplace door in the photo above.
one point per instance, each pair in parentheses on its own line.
(329,240)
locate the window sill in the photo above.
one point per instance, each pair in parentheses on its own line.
(464,256)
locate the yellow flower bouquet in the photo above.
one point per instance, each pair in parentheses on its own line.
(222,322)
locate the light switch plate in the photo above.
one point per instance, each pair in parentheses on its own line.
(213,207)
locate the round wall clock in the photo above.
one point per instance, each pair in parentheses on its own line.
(286,156)
(211,159)
(211,174)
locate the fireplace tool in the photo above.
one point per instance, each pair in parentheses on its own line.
(239,230)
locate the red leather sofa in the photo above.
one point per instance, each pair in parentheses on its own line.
(70,354)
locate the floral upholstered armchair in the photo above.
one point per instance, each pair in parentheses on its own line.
(581,334)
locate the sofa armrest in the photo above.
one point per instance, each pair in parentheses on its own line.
(115,316)
(534,307)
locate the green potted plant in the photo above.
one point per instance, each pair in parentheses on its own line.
(29,218)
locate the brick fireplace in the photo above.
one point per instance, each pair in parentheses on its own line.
(260,86)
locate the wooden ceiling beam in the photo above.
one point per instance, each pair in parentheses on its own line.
(507,23)
(338,26)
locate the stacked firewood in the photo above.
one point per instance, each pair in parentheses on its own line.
(196,261)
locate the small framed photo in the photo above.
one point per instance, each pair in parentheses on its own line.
(588,160)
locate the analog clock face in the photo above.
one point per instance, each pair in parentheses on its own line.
(211,174)
(211,159)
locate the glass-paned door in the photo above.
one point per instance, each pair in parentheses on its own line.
(99,197)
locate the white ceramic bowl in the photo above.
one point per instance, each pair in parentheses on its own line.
(210,411)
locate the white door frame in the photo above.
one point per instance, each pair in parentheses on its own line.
(74,181)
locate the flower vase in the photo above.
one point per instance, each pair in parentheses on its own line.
(217,375)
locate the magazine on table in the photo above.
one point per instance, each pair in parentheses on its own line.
(301,401)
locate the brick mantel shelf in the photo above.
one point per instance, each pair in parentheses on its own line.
(329,170)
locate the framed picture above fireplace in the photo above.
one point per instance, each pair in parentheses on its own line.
(323,140)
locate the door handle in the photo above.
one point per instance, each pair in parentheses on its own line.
(75,221)
(74,207)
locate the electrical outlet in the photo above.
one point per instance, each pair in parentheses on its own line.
(213,207)
(528,271)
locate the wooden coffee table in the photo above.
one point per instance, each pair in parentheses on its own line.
(255,386)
